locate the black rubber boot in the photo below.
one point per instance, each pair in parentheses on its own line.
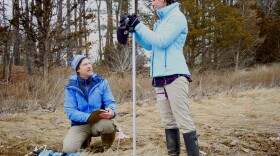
(173,141)
(191,143)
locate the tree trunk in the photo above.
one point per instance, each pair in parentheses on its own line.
(237,55)
(118,14)
(84,27)
(5,47)
(136,7)
(216,57)
(73,39)
(43,14)
(6,60)
(47,7)
(41,45)
(68,31)
(6,54)
(81,15)
(125,6)
(15,22)
(60,23)
(29,46)
(109,34)
(9,72)
(98,3)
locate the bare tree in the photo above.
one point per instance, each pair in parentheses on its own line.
(43,14)
(30,35)
(121,59)
(68,31)
(267,5)
(85,27)
(109,34)
(118,12)
(98,3)
(59,30)
(5,32)
(75,42)
(15,23)
(80,38)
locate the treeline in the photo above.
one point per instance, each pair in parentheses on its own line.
(232,33)
(40,34)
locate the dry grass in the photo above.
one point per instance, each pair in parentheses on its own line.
(27,92)
(212,82)
(32,92)
(122,88)
(239,118)
(237,124)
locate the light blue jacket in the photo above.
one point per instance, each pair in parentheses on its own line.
(166,42)
(78,108)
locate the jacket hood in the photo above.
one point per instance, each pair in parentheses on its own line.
(165,10)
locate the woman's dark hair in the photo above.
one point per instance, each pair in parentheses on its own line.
(170,1)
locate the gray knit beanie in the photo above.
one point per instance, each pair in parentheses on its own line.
(75,62)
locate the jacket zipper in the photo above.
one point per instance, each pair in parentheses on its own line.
(87,93)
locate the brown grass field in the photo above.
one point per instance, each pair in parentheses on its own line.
(236,113)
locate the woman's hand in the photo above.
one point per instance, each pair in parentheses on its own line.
(109,114)
(133,21)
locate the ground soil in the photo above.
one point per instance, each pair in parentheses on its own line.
(229,123)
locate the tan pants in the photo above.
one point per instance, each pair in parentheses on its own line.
(78,134)
(173,104)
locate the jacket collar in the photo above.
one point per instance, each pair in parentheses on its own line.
(166,10)
(74,80)
(81,80)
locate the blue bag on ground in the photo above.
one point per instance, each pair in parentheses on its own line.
(53,153)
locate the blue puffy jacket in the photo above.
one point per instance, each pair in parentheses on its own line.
(78,108)
(166,41)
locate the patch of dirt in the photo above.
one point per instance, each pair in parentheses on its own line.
(235,123)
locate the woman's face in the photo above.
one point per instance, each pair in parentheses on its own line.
(157,4)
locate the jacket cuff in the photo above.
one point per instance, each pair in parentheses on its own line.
(113,108)
(138,26)
(87,116)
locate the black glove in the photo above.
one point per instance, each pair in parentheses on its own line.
(122,33)
(123,29)
(133,21)
(124,19)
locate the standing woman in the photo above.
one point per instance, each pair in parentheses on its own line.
(170,73)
